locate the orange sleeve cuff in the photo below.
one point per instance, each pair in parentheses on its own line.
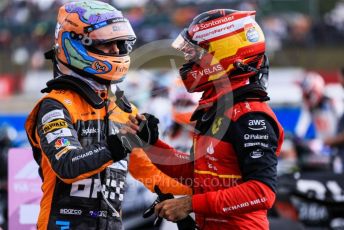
(142,169)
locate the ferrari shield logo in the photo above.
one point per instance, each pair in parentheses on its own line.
(216,125)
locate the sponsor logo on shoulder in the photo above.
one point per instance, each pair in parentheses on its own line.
(52,115)
(257,154)
(62,142)
(64,132)
(210,148)
(256,137)
(88,131)
(53,125)
(247,106)
(256,124)
(236,112)
(64,151)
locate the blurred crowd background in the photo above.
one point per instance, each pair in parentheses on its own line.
(304,37)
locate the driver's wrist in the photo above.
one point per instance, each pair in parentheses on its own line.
(188,203)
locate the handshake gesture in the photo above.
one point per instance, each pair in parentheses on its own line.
(139,132)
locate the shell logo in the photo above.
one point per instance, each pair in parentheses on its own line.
(100,66)
(195,29)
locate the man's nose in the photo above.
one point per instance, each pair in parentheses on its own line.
(114,48)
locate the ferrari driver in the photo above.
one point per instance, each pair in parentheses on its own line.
(237,138)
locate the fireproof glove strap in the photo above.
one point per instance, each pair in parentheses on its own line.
(148,129)
(116,147)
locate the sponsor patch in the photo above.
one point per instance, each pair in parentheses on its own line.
(52,115)
(98,213)
(89,131)
(210,148)
(63,151)
(70,211)
(245,204)
(87,154)
(119,27)
(62,142)
(183,156)
(251,144)
(64,132)
(215,31)
(257,154)
(208,71)
(114,128)
(256,124)
(256,137)
(62,224)
(100,67)
(211,158)
(252,35)
(215,22)
(53,125)
(212,167)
